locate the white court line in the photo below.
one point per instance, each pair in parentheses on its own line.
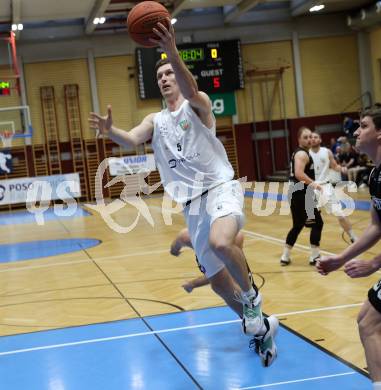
(44,265)
(279,241)
(291,313)
(132,254)
(126,336)
(28,320)
(299,380)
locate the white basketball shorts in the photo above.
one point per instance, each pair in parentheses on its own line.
(221,201)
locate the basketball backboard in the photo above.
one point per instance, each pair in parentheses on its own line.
(15,123)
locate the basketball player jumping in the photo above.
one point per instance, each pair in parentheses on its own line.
(323,162)
(369,319)
(196,172)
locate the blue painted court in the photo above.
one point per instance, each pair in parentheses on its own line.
(203,349)
(29,250)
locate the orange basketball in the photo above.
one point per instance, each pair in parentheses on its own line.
(143,18)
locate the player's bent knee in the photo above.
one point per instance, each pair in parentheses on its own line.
(219,245)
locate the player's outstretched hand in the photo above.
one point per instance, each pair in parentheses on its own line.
(359,268)
(101,124)
(328,264)
(165,36)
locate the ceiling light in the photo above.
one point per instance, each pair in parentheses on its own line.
(102,20)
(96,21)
(317,8)
(17,27)
(173,20)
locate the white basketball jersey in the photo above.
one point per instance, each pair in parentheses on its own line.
(321,165)
(189,156)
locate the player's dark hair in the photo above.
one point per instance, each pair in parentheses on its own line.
(161,62)
(374,113)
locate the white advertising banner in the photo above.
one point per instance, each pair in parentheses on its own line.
(131,164)
(40,188)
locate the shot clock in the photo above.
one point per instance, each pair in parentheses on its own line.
(217,67)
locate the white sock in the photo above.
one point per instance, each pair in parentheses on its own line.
(249,295)
(286,252)
(376,385)
(315,252)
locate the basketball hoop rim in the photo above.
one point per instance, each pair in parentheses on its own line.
(6,138)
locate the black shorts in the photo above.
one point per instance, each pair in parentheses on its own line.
(298,205)
(374,296)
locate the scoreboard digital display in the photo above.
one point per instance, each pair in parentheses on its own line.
(217,67)
(5,88)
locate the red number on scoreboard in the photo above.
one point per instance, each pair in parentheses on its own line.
(5,91)
(216,82)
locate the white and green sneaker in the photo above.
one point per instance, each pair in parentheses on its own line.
(266,348)
(252,321)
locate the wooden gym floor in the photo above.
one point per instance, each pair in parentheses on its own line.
(131,275)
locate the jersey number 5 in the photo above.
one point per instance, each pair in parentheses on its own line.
(179,147)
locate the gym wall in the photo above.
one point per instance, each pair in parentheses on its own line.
(330,73)
(56,74)
(266,56)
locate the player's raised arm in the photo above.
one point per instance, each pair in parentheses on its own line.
(187,83)
(136,136)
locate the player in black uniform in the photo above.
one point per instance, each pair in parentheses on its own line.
(302,199)
(369,319)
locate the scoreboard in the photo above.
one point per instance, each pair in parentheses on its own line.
(217,67)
